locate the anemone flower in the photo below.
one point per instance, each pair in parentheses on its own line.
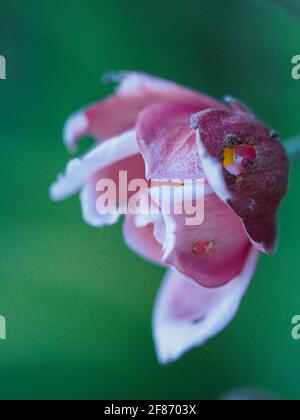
(155,130)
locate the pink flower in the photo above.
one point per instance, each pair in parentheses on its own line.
(155,129)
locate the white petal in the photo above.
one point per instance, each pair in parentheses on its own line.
(214,171)
(89,210)
(134,83)
(74,128)
(169,236)
(186,316)
(80,170)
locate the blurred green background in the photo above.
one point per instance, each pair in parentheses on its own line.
(78,303)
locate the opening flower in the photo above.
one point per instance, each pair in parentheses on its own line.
(158,130)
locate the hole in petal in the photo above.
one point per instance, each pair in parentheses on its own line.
(236,158)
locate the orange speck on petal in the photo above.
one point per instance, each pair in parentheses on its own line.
(229,156)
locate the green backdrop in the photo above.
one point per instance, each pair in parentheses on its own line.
(78,303)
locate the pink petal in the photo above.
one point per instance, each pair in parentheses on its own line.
(118,113)
(167,142)
(186,316)
(141,240)
(134,167)
(254,193)
(212,253)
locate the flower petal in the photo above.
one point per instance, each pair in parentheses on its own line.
(168,143)
(254,192)
(186,316)
(102,156)
(118,113)
(141,240)
(211,253)
(131,168)
(91,216)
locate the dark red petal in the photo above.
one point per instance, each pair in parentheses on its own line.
(255,193)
